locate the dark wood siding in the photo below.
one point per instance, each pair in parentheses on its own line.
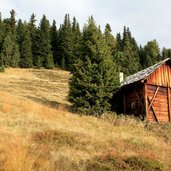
(134,100)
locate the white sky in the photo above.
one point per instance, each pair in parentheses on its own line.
(147,19)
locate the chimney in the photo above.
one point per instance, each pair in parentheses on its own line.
(121,77)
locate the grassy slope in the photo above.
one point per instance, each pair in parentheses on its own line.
(37,131)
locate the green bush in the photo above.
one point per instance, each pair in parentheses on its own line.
(139,163)
(2,68)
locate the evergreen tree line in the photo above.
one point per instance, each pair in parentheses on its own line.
(26,45)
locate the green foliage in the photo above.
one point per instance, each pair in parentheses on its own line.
(94,76)
(166,53)
(54,42)
(2,68)
(45,42)
(15,56)
(77,39)
(24,42)
(139,163)
(43,54)
(152,53)
(109,161)
(110,40)
(65,44)
(130,63)
(10,53)
(44,46)
(2,34)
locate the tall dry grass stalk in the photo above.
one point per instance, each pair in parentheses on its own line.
(15,154)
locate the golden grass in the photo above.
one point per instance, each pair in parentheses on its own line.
(37,131)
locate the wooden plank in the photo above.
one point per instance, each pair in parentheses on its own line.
(169,77)
(145,98)
(159,99)
(153,98)
(139,99)
(152,88)
(160,76)
(169,107)
(152,109)
(159,102)
(159,94)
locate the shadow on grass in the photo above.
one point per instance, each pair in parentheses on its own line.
(49,103)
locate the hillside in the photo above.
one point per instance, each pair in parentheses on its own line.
(38,132)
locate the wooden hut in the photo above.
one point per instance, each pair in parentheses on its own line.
(147,93)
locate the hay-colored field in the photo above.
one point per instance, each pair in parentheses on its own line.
(37,131)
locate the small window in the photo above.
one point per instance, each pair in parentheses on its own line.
(133,104)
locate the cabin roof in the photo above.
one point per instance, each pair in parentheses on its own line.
(142,75)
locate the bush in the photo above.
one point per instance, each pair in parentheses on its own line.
(139,163)
(2,68)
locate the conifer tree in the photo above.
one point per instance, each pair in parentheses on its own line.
(54,42)
(43,48)
(10,53)
(110,40)
(131,62)
(12,22)
(94,76)
(14,62)
(118,42)
(1,34)
(25,51)
(152,53)
(33,31)
(65,44)
(166,53)
(77,41)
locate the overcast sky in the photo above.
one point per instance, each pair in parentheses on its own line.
(147,19)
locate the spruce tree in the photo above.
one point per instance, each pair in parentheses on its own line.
(130,64)
(26,60)
(54,42)
(1,34)
(33,31)
(166,53)
(10,53)
(152,52)
(12,22)
(14,62)
(77,41)
(65,44)
(94,77)
(110,40)
(43,55)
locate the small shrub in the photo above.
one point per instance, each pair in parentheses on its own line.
(105,162)
(2,68)
(138,163)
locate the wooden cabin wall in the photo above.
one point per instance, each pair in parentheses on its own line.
(158,103)
(158,88)
(133,98)
(161,76)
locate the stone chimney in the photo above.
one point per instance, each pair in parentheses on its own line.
(121,77)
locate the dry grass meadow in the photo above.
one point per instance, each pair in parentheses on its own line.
(39,133)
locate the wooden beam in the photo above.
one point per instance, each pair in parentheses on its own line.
(169,107)
(152,109)
(139,98)
(146,100)
(153,98)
